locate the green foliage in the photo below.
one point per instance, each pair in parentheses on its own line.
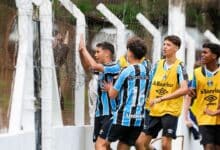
(194,16)
(86,6)
(10,3)
(157,9)
(61,14)
(127,12)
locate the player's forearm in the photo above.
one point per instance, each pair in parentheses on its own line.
(88,57)
(217,112)
(84,62)
(186,106)
(92,63)
(179,92)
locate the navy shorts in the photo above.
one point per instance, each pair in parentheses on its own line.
(167,122)
(124,134)
(210,134)
(98,126)
(146,119)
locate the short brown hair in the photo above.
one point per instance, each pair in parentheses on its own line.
(137,46)
(106,46)
(174,39)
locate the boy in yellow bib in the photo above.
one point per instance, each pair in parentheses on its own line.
(168,83)
(206,106)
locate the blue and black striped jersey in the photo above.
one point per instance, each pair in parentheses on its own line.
(105,106)
(132,85)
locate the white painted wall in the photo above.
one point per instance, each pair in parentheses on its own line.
(77,138)
(18,141)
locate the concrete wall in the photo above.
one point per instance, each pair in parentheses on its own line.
(20,141)
(65,138)
(78,138)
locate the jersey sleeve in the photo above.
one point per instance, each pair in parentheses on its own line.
(121,79)
(193,83)
(182,74)
(151,75)
(112,69)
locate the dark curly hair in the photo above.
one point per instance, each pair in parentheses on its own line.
(214,48)
(137,46)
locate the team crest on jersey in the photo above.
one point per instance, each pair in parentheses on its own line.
(210,99)
(164,77)
(162,91)
(210,83)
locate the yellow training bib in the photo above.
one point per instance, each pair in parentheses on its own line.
(208,96)
(165,82)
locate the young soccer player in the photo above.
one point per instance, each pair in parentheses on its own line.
(189,116)
(130,88)
(206,106)
(106,70)
(168,83)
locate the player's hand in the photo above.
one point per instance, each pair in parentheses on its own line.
(151,103)
(188,123)
(57,40)
(155,101)
(66,39)
(81,43)
(191,92)
(106,86)
(209,112)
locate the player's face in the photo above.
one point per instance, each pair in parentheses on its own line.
(129,56)
(207,56)
(169,49)
(99,55)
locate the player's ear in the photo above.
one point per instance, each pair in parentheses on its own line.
(214,56)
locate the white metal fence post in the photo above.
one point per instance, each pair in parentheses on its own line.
(79,107)
(121,43)
(156,36)
(23,82)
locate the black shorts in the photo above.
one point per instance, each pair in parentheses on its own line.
(167,122)
(146,119)
(210,134)
(124,134)
(98,126)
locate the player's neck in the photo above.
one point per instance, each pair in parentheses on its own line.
(107,60)
(212,66)
(135,61)
(170,60)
